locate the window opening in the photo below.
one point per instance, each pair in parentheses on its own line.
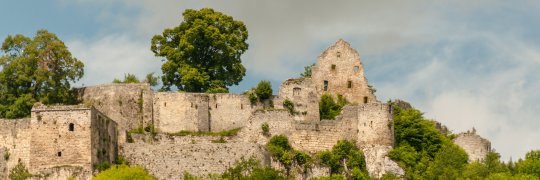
(59,154)
(349,84)
(325,85)
(296,91)
(333,67)
(365,100)
(165,104)
(338,54)
(71,127)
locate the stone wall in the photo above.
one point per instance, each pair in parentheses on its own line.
(104,138)
(229,111)
(375,125)
(174,111)
(474,145)
(304,96)
(378,163)
(60,137)
(130,105)
(170,161)
(15,140)
(340,67)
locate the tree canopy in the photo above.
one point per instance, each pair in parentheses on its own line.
(36,69)
(203,52)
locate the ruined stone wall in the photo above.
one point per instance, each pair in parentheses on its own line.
(474,145)
(130,105)
(229,111)
(279,121)
(174,111)
(60,137)
(304,96)
(323,135)
(15,140)
(104,138)
(170,161)
(340,66)
(375,125)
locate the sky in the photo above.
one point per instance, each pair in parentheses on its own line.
(465,64)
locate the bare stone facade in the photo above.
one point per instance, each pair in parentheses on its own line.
(475,146)
(58,142)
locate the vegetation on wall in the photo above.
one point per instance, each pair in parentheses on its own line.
(132,79)
(282,151)
(124,172)
(203,52)
(19,172)
(345,159)
(328,108)
(289,105)
(38,69)
(265,129)
(263,90)
(228,133)
(307,71)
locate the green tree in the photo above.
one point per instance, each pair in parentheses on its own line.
(203,52)
(280,148)
(264,90)
(345,158)
(128,79)
(126,172)
(530,165)
(151,79)
(307,71)
(448,163)
(36,69)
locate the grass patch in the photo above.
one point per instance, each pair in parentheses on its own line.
(228,133)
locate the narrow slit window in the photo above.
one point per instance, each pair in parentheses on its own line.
(241,106)
(71,127)
(325,85)
(333,67)
(165,104)
(365,100)
(349,84)
(216,106)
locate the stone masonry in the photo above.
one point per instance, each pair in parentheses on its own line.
(475,146)
(59,142)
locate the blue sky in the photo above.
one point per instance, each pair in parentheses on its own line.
(465,64)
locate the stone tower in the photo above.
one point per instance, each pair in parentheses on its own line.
(339,71)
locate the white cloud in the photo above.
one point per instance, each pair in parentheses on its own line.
(111,57)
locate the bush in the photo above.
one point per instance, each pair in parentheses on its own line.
(328,108)
(265,129)
(344,153)
(252,97)
(19,172)
(263,90)
(102,166)
(124,172)
(289,105)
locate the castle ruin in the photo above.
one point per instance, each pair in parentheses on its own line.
(58,142)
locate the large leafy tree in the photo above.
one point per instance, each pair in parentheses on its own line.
(203,52)
(35,69)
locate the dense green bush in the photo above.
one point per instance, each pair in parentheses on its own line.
(280,148)
(265,129)
(328,108)
(344,155)
(289,105)
(264,90)
(124,172)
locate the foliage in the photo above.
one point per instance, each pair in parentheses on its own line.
(343,157)
(265,129)
(530,165)
(263,90)
(331,177)
(390,176)
(151,79)
(203,52)
(289,105)
(220,140)
(36,70)
(231,132)
(102,166)
(307,71)
(126,172)
(328,108)
(448,163)
(139,130)
(280,148)
(250,169)
(372,89)
(120,160)
(252,97)
(128,79)
(19,172)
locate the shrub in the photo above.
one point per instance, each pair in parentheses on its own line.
(19,172)
(344,153)
(252,97)
(102,166)
(124,172)
(289,105)
(263,90)
(265,129)
(328,108)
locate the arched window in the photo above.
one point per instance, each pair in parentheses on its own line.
(71,127)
